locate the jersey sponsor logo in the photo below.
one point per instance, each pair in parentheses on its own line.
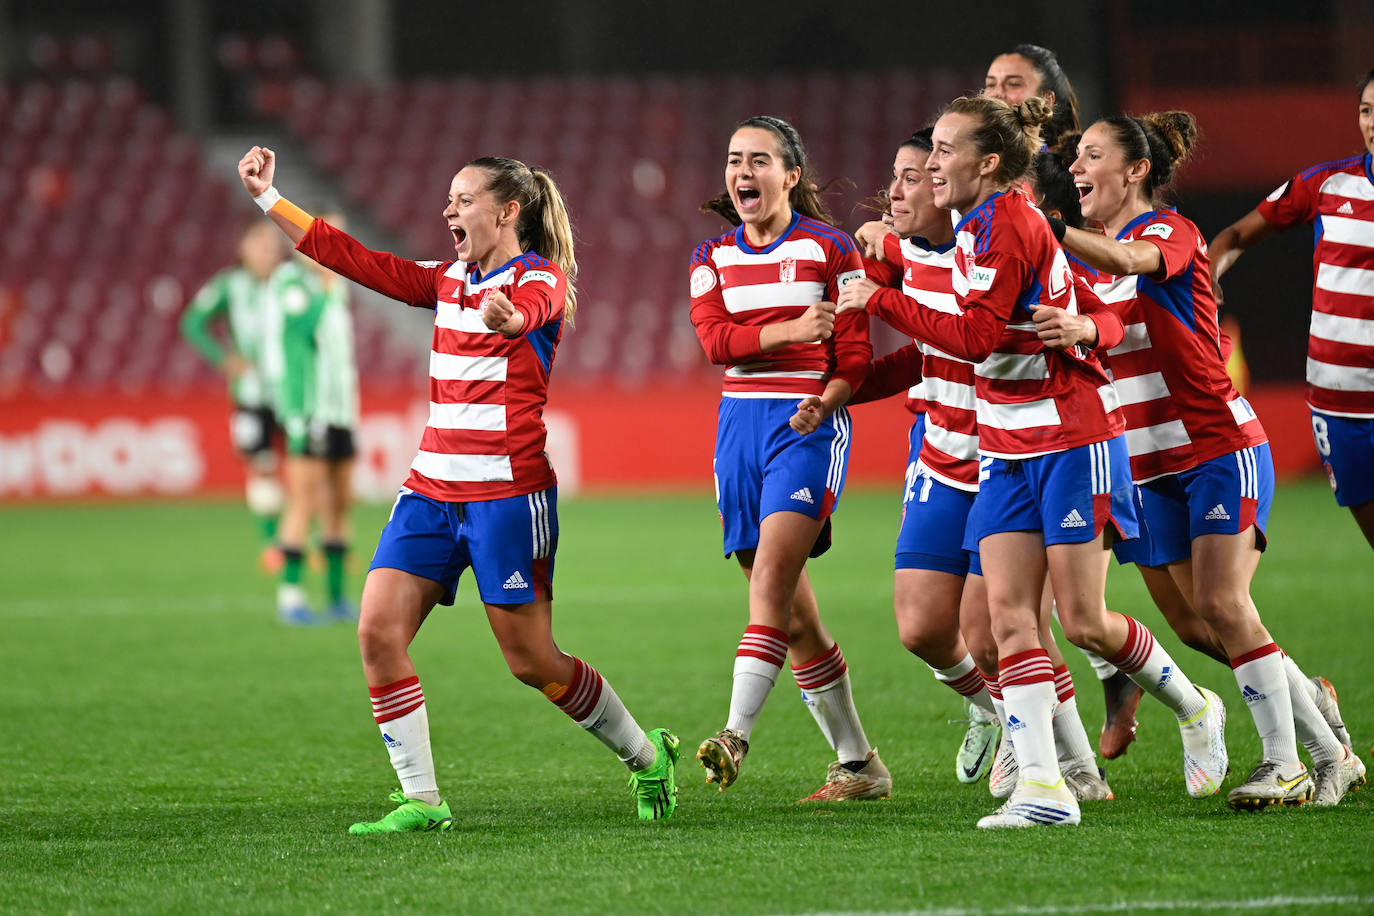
(1345,209)
(703,278)
(1163,230)
(981,277)
(1278,192)
(787,270)
(848,277)
(543,275)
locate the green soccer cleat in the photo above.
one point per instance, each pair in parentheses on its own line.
(655,788)
(413,816)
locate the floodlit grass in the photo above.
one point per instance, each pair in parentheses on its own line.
(169,747)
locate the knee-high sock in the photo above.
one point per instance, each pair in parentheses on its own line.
(592,703)
(1146,663)
(824,683)
(964,679)
(758,662)
(1027,680)
(399,709)
(1264,687)
(1070,740)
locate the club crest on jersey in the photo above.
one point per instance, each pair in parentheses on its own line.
(787,270)
(486,297)
(703,278)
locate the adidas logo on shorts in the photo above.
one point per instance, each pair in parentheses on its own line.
(1073,520)
(804,496)
(1345,209)
(1217,513)
(516,581)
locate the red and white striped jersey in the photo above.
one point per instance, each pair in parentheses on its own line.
(1180,406)
(949,451)
(485,435)
(1337,198)
(1030,400)
(737,290)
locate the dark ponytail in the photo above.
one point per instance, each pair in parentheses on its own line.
(1164,138)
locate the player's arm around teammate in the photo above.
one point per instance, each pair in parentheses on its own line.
(481,492)
(1200,458)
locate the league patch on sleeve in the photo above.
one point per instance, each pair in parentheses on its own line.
(542,275)
(848,276)
(981,277)
(1163,230)
(1278,192)
(703,278)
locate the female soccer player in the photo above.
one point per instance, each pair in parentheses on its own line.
(1337,198)
(1030,70)
(309,354)
(1199,457)
(481,491)
(763,305)
(239,295)
(1053,458)
(933,575)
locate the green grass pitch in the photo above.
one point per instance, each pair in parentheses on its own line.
(169,747)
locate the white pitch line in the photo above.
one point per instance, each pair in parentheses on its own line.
(1134,906)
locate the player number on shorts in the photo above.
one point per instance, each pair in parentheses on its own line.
(1321,436)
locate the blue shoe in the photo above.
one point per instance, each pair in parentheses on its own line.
(298,615)
(342,611)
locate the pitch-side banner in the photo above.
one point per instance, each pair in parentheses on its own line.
(601,438)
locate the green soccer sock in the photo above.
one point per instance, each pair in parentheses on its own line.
(335,555)
(293,562)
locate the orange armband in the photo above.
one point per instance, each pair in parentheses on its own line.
(271,201)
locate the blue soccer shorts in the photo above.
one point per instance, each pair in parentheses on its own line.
(933,518)
(763,466)
(1070,497)
(1346,447)
(508,543)
(1226,495)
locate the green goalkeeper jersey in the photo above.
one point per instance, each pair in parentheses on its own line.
(235,296)
(309,357)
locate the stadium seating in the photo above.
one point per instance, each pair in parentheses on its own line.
(114,221)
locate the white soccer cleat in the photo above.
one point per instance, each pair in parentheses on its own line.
(1272,783)
(979,749)
(1035,805)
(1337,778)
(1087,783)
(1005,770)
(872,781)
(1326,705)
(1204,747)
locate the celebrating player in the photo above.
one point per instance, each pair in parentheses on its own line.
(481,491)
(1053,458)
(763,304)
(1199,457)
(1029,70)
(239,295)
(1337,198)
(309,357)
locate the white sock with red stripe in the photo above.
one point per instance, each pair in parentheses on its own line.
(1311,726)
(1070,740)
(1027,680)
(399,709)
(999,706)
(1264,687)
(758,662)
(964,679)
(592,703)
(1146,663)
(824,683)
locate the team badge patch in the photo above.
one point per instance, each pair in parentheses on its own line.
(703,278)
(787,270)
(1163,230)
